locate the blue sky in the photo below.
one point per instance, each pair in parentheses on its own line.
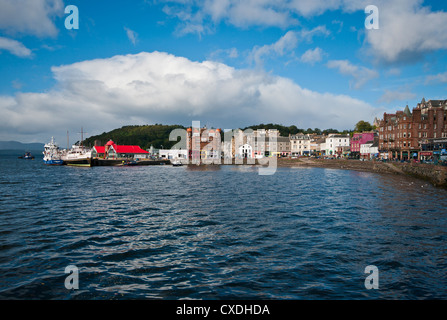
(226,63)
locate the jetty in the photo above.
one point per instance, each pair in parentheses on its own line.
(98,162)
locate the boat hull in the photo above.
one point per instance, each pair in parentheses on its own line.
(97,162)
(78,162)
(53,162)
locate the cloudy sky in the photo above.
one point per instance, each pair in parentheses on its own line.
(225,63)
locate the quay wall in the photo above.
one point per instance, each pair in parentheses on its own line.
(435,174)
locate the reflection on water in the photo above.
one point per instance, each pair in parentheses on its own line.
(218,232)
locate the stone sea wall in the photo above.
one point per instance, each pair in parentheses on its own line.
(437,175)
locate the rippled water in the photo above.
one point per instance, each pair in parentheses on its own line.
(218,233)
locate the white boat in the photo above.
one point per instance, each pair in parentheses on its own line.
(78,156)
(177,163)
(51,154)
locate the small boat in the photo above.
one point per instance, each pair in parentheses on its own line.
(129,163)
(177,163)
(51,154)
(27,156)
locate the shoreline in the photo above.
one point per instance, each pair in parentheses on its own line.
(436,175)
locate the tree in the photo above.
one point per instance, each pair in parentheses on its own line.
(363,126)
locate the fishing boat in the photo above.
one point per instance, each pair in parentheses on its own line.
(78,155)
(27,156)
(51,154)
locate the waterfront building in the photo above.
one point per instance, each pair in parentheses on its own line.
(283,146)
(402,134)
(300,144)
(258,143)
(337,145)
(434,149)
(320,146)
(172,154)
(370,149)
(114,151)
(203,143)
(358,139)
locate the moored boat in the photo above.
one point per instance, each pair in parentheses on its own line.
(78,156)
(52,154)
(27,156)
(177,163)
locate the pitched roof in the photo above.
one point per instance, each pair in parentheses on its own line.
(407,111)
(122,149)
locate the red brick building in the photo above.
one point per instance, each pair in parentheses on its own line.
(204,144)
(402,133)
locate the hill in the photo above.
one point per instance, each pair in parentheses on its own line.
(15,145)
(156,135)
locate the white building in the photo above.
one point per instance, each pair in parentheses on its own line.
(300,144)
(335,142)
(369,150)
(173,154)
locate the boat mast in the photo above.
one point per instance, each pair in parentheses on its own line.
(68,143)
(82,135)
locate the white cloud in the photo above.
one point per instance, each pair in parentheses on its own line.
(312,55)
(14,47)
(408,29)
(360,74)
(440,77)
(33,17)
(103,94)
(390,96)
(132,35)
(286,44)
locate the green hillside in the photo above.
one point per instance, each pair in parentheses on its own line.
(156,135)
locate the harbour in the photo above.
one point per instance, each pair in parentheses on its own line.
(160,232)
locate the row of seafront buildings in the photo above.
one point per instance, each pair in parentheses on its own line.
(417,134)
(206,143)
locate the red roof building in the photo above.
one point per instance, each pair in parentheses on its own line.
(112,150)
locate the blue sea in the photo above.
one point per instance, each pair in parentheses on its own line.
(218,232)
